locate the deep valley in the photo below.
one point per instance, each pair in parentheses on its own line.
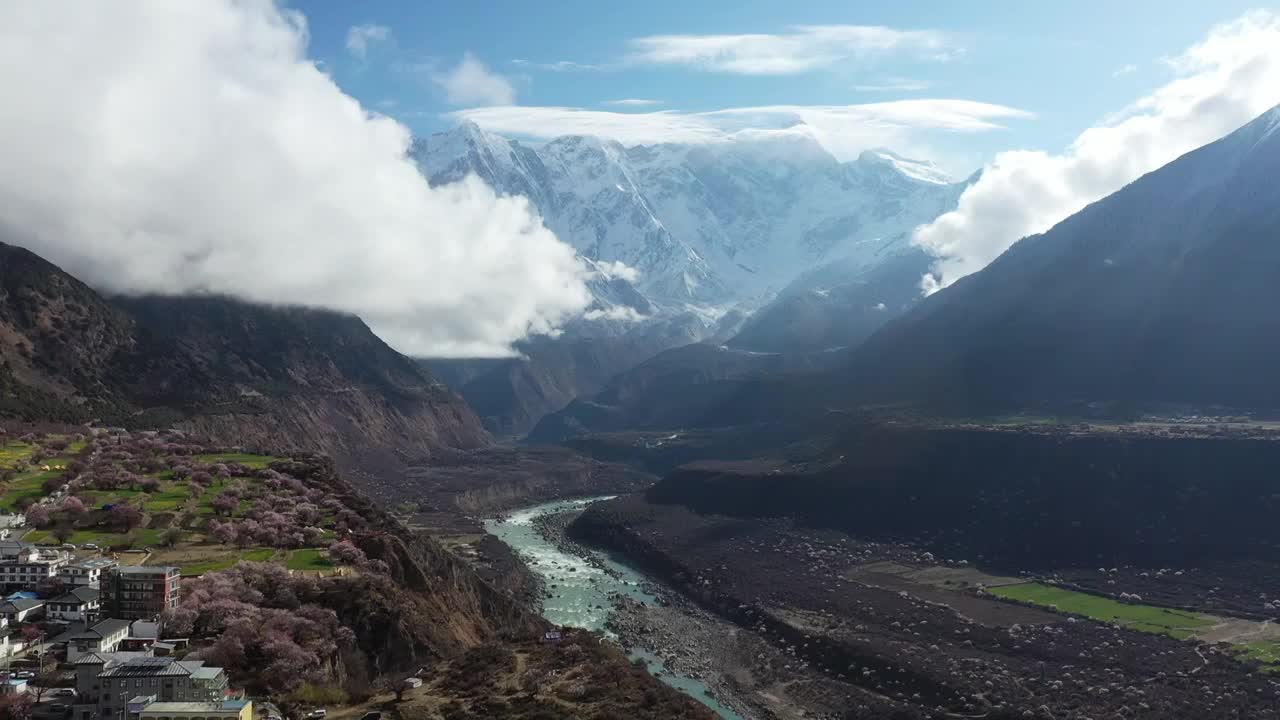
(572,361)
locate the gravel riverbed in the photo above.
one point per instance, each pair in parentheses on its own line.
(741,670)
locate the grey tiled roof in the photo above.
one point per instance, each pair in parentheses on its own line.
(79,595)
(147,667)
(110,626)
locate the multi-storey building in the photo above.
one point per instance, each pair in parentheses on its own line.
(85,573)
(104,637)
(23,565)
(142,592)
(105,684)
(77,605)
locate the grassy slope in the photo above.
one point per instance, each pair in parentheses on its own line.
(308,559)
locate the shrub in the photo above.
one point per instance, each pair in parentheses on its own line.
(225,502)
(344,552)
(38,516)
(73,506)
(171,536)
(124,518)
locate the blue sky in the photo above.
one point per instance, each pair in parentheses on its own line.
(1066,65)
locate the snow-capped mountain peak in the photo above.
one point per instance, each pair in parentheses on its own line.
(922,170)
(711,223)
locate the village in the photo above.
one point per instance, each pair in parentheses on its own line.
(98,533)
(80,635)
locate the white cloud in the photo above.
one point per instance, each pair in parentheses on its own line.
(617,313)
(360,37)
(1125,70)
(893,85)
(178,147)
(806,47)
(616,270)
(845,130)
(1229,78)
(471,83)
(628,128)
(633,102)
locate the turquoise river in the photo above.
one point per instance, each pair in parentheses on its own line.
(580,592)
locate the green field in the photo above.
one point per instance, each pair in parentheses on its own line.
(171,497)
(257,462)
(222,563)
(308,559)
(143,537)
(1266,653)
(13,452)
(1146,618)
(25,485)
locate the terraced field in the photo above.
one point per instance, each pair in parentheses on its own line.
(175,513)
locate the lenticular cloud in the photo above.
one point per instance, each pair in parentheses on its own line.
(174,147)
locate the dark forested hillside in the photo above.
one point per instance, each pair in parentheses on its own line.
(58,341)
(236,372)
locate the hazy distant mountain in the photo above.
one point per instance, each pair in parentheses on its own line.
(835,306)
(512,394)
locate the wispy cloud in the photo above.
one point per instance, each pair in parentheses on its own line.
(805,47)
(1125,70)
(893,85)
(633,102)
(1229,78)
(564,66)
(844,129)
(361,37)
(471,83)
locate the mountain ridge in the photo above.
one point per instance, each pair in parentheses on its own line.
(713,231)
(1142,297)
(705,223)
(233,371)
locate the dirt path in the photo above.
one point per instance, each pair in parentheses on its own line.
(1239,632)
